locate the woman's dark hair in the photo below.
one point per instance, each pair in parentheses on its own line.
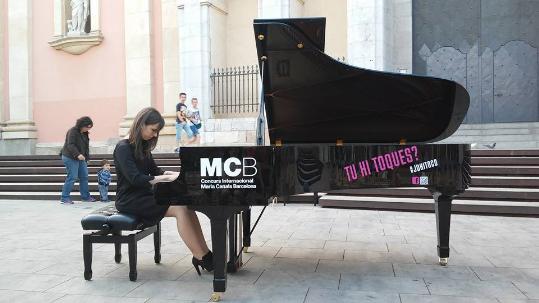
(147,116)
(84,122)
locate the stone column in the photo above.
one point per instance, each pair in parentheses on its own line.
(2,16)
(171,59)
(380,34)
(361,33)
(274,8)
(138,60)
(171,72)
(19,135)
(402,36)
(194,49)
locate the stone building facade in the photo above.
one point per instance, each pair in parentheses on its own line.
(138,53)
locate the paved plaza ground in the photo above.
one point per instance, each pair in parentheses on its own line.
(300,253)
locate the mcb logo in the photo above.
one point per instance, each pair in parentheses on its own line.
(423,180)
(232,167)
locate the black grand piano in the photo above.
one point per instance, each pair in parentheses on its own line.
(331,126)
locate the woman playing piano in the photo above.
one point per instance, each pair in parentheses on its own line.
(137,172)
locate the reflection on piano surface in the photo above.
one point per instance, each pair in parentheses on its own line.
(331,126)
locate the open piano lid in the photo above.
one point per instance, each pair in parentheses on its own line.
(313,98)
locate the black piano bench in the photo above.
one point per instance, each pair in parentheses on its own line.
(108,225)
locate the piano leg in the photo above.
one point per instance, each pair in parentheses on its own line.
(235,230)
(246,218)
(442,207)
(218,239)
(219,217)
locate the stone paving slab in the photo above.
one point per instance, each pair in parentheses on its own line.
(489,289)
(351,246)
(349,296)
(410,298)
(375,256)
(530,289)
(300,253)
(98,299)
(505,274)
(9,296)
(394,285)
(353,267)
(434,271)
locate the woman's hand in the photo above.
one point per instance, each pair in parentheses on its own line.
(168,172)
(165,178)
(172,176)
(81,157)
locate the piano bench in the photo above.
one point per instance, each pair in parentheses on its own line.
(107,225)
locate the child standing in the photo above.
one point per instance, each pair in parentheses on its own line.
(103,180)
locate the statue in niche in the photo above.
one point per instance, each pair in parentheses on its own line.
(80,10)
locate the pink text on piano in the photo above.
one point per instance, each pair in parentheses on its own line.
(381,163)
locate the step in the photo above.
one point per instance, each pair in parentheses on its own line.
(505,171)
(427,204)
(42,178)
(60,170)
(504,125)
(504,153)
(498,138)
(505,161)
(92,156)
(494,132)
(46,187)
(476,160)
(478,181)
(503,181)
(12,195)
(472,193)
(59,163)
(484,143)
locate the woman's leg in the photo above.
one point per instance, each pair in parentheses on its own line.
(178,134)
(72,167)
(83,180)
(103,192)
(189,229)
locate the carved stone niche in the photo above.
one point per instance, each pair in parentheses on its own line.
(76,26)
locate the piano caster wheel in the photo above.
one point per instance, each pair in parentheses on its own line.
(133,276)
(246,249)
(118,258)
(215,297)
(443,261)
(88,275)
(157,258)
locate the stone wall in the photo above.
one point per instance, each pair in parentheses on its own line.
(236,131)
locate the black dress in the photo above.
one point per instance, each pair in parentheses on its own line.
(134,194)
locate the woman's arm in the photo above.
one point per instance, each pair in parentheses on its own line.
(71,145)
(125,163)
(155,170)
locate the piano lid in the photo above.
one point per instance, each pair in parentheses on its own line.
(313,98)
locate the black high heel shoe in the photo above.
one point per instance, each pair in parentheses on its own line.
(206,262)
